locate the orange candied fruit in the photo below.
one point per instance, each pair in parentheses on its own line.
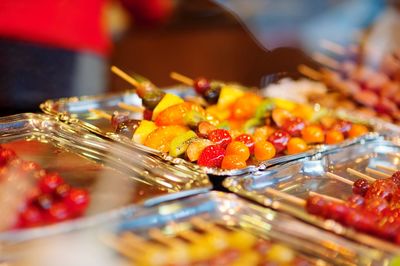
(296,145)
(264,150)
(239,149)
(245,107)
(357,130)
(313,134)
(233,162)
(334,137)
(262,133)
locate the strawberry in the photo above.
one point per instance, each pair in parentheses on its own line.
(220,137)
(248,140)
(211,156)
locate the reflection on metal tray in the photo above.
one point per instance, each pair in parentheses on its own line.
(77,111)
(115,177)
(316,246)
(298,178)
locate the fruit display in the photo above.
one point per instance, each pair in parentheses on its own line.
(48,198)
(237,129)
(205,244)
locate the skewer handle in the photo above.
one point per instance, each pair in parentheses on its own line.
(181,78)
(286,196)
(312,193)
(125,76)
(361,175)
(339,178)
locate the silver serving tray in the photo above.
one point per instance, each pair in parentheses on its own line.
(298,178)
(118,179)
(316,246)
(75,110)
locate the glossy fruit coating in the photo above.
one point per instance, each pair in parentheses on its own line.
(62,191)
(262,133)
(228,96)
(201,85)
(248,140)
(212,95)
(382,188)
(50,182)
(294,126)
(173,115)
(160,139)
(180,143)
(238,149)
(204,128)
(342,126)
(360,186)
(220,137)
(6,155)
(143,130)
(31,216)
(315,205)
(233,162)
(128,128)
(167,101)
(59,212)
(357,130)
(264,150)
(296,145)
(77,200)
(211,156)
(246,106)
(396,178)
(334,137)
(313,134)
(279,139)
(119,117)
(196,147)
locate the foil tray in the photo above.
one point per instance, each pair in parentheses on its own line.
(118,180)
(298,178)
(318,247)
(75,111)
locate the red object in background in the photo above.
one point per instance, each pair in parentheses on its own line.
(70,24)
(150,12)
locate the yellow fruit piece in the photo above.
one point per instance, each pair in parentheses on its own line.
(280,254)
(167,101)
(216,112)
(160,139)
(303,111)
(241,240)
(248,258)
(284,104)
(228,95)
(144,129)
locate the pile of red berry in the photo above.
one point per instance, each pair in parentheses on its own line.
(51,201)
(373,208)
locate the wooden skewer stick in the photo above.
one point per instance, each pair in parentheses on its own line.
(361,175)
(286,196)
(312,193)
(387,168)
(326,60)
(125,77)
(132,108)
(113,242)
(339,178)
(100,113)
(190,235)
(206,226)
(310,73)
(181,78)
(156,234)
(376,172)
(333,47)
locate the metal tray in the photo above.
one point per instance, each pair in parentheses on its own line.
(76,111)
(298,178)
(118,180)
(316,246)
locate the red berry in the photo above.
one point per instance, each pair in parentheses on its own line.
(44,201)
(211,156)
(377,206)
(58,212)
(315,205)
(50,182)
(294,126)
(201,85)
(77,200)
(62,191)
(396,178)
(6,155)
(147,114)
(248,140)
(280,140)
(31,216)
(355,201)
(337,211)
(383,188)
(220,137)
(360,187)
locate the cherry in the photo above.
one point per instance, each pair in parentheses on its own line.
(44,201)
(383,188)
(377,206)
(62,191)
(77,200)
(294,126)
(58,212)
(50,182)
(315,205)
(247,140)
(212,95)
(201,85)
(279,139)
(31,216)
(360,187)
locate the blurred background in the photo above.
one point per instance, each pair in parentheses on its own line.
(63,48)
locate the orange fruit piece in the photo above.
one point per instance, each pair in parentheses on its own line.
(160,139)
(233,162)
(334,137)
(245,107)
(296,145)
(264,150)
(357,130)
(239,149)
(262,133)
(176,114)
(313,134)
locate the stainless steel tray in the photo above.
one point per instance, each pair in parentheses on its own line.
(298,178)
(76,111)
(117,179)
(318,247)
